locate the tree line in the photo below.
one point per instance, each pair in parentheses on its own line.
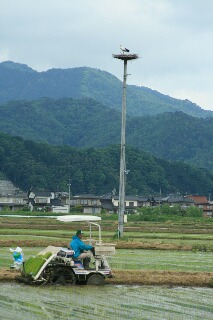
(95,170)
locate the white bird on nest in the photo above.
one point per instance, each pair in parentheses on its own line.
(123,49)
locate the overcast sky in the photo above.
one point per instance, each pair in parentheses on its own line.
(172,37)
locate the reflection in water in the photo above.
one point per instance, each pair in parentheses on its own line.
(109,302)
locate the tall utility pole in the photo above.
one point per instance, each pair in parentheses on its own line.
(125,57)
(69,184)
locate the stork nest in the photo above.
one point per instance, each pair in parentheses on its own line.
(125,56)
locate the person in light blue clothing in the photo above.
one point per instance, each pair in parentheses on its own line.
(18,258)
(82,250)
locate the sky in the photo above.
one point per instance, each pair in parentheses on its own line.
(173,39)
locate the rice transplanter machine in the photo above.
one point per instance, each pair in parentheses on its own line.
(56,265)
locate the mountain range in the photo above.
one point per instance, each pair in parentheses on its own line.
(80,108)
(87,123)
(20,82)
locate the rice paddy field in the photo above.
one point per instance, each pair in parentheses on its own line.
(110,302)
(161,271)
(137,259)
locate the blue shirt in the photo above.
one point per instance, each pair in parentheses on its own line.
(78,246)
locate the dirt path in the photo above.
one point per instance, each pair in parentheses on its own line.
(139,277)
(119,245)
(173,278)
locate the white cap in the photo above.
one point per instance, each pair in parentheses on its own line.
(18,249)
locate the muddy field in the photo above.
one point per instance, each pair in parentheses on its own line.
(113,302)
(161,271)
(141,277)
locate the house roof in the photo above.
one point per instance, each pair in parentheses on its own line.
(22,195)
(158,199)
(42,193)
(129,198)
(107,205)
(199,199)
(15,196)
(7,187)
(145,199)
(161,199)
(62,194)
(107,196)
(86,196)
(177,199)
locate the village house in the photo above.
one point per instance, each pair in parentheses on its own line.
(177,200)
(7,187)
(89,203)
(11,198)
(110,203)
(13,202)
(14,199)
(203,203)
(42,200)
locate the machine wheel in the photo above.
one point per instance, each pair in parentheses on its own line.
(96,279)
(59,275)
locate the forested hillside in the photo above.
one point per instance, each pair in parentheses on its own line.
(87,123)
(174,136)
(18,82)
(45,167)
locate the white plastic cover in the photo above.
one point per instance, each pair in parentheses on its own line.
(77,218)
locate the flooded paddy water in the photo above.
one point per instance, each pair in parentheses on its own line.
(18,301)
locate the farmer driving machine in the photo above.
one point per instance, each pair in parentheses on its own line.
(56,265)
